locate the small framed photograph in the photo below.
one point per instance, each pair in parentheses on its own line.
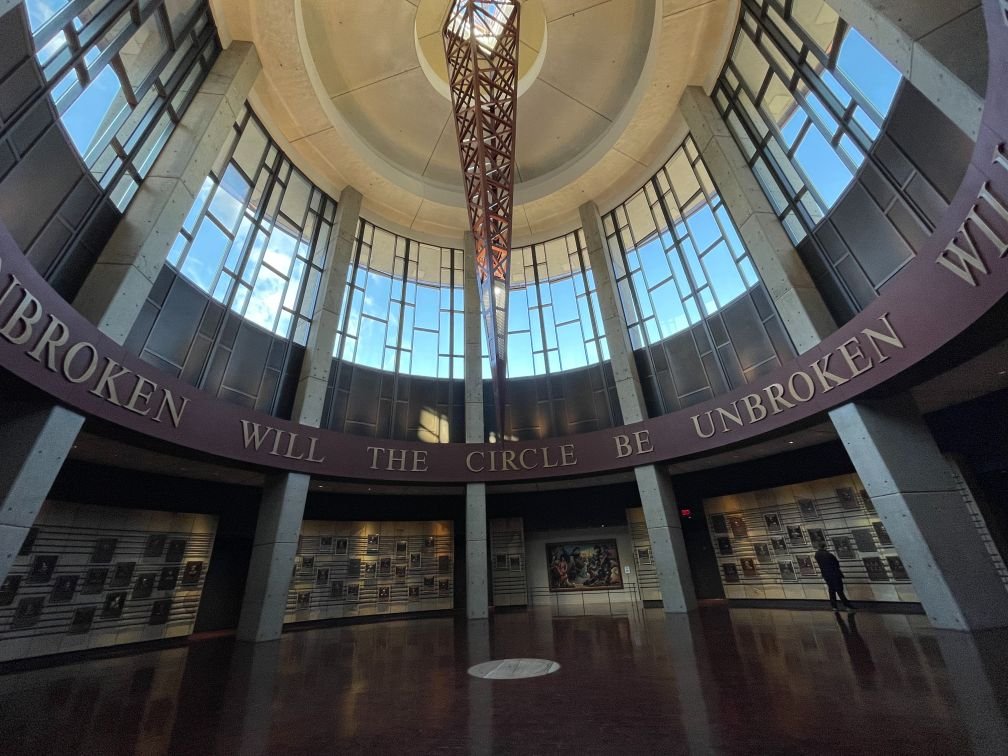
(779,544)
(82,620)
(816,536)
(341,545)
(353,567)
(353,592)
(192,573)
(322,576)
(748,568)
(429,542)
(869,504)
(27,612)
(94,580)
(444,586)
(64,589)
(843,547)
(897,569)
(29,542)
(42,568)
(383,593)
(176,550)
(719,524)
(863,540)
(401,547)
(730,572)
(122,574)
(9,589)
(806,565)
(724,546)
(400,571)
(808,510)
(159,612)
(762,549)
(372,543)
(787,571)
(308,563)
(444,563)
(168,578)
(882,534)
(385,566)
(876,569)
(325,544)
(155,546)
(846,498)
(370,569)
(415,560)
(514,563)
(428,581)
(103,550)
(644,555)
(113,606)
(336,590)
(303,601)
(773,523)
(144,586)
(738,527)
(413,592)
(795,535)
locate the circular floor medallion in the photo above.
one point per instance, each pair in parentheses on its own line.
(513,669)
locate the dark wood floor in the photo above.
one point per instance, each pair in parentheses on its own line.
(723,681)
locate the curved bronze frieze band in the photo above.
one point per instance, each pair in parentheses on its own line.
(955,277)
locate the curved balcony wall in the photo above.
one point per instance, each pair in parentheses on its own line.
(234,315)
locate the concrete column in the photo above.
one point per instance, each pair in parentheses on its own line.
(283,503)
(314,380)
(912,488)
(120,281)
(936,44)
(118,285)
(657,497)
(477,578)
(272,563)
(37,437)
(799,303)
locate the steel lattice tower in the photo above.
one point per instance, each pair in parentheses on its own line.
(481,45)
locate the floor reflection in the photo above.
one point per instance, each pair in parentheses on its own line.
(721,680)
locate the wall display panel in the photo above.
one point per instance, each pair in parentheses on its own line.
(355,569)
(765,542)
(88,577)
(507,544)
(701,321)
(647,569)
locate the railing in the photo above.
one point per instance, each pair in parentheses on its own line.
(615,602)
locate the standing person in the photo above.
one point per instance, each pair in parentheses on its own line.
(829,566)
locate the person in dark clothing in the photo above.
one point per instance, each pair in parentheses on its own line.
(829,566)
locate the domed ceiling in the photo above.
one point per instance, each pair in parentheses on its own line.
(355,91)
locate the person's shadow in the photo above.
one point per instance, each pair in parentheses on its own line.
(858,652)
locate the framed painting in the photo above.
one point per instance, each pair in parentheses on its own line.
(583,566)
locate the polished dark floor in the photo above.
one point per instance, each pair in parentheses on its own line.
(724,681)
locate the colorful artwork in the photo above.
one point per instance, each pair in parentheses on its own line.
(583,566)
